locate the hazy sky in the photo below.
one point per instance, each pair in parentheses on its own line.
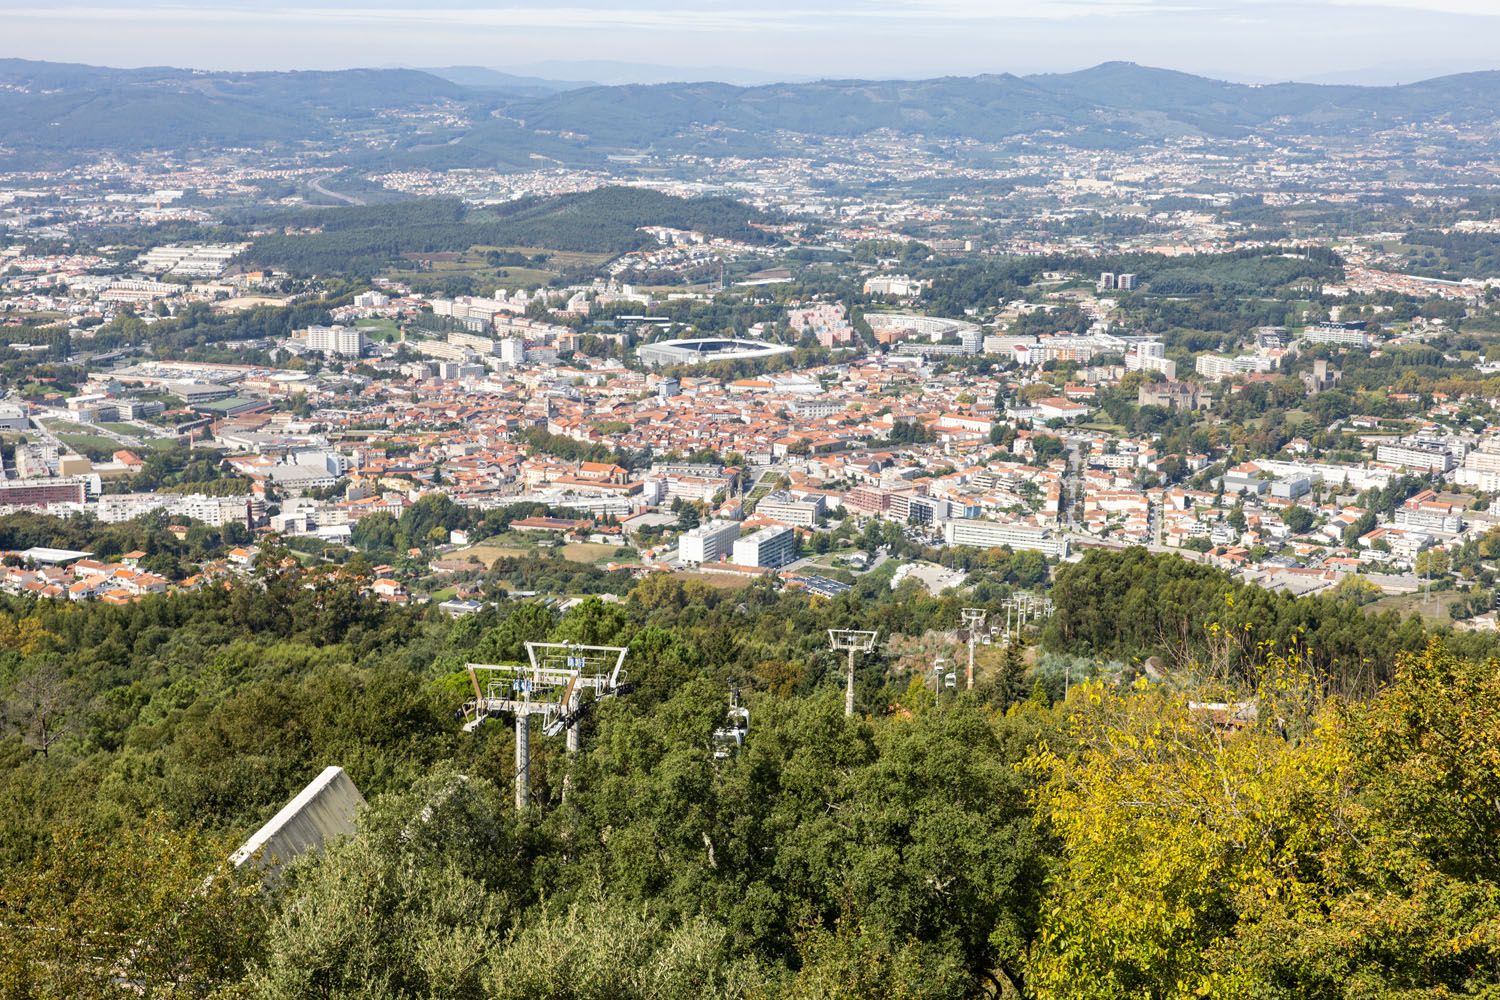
(1393,41)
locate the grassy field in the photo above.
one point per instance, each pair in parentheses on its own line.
(719,581)
(516,546)
(379,330)
(504,546)
(1297,418)
(473,264)
(519,277)
(1434,612)
(487,554)
(68,427)
(558,260)
(589,552)
(88,442)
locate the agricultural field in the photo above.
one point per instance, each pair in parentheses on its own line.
(487,554)
(593,552)
(719,581)
(479,265)
(1433,608)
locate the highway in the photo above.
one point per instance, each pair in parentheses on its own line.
(348,199)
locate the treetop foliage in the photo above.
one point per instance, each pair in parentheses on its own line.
(1227,829)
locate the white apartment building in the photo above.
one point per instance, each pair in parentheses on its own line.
(912,509)
(440,350)
(336,341)
(513,351)
(1417,456)
(707,543)
(697,488)
(138,290)
(1002,534)
(1431,517)
(1341,334)
(1219,367)
(1151,356)
(781,507)
(1482,461)
(816,409)
(472,341)
(768,547)
(1481,469)
(114,508)
(217,511)
(900,285)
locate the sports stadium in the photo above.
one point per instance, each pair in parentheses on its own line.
(703,350)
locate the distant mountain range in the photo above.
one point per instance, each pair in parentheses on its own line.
(483,78)
(1112,98)
(614,71)
(52,110)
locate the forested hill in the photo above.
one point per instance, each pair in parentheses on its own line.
(1071,829)
(365,239)
(1111,103)
(476,118)
(56,109)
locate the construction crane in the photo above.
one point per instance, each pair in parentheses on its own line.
(549,687)
(855,641)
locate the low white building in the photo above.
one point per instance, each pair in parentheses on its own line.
(1005,534)
(1416,455)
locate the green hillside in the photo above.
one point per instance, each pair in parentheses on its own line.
(367,239)
(57,110)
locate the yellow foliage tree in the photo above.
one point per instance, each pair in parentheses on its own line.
(1171,815)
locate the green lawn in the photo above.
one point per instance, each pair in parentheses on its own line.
(129,430)
(522,277)
(557,259)
(68,427)
(487,553)
(473,264)
(381,330)
(89,442)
